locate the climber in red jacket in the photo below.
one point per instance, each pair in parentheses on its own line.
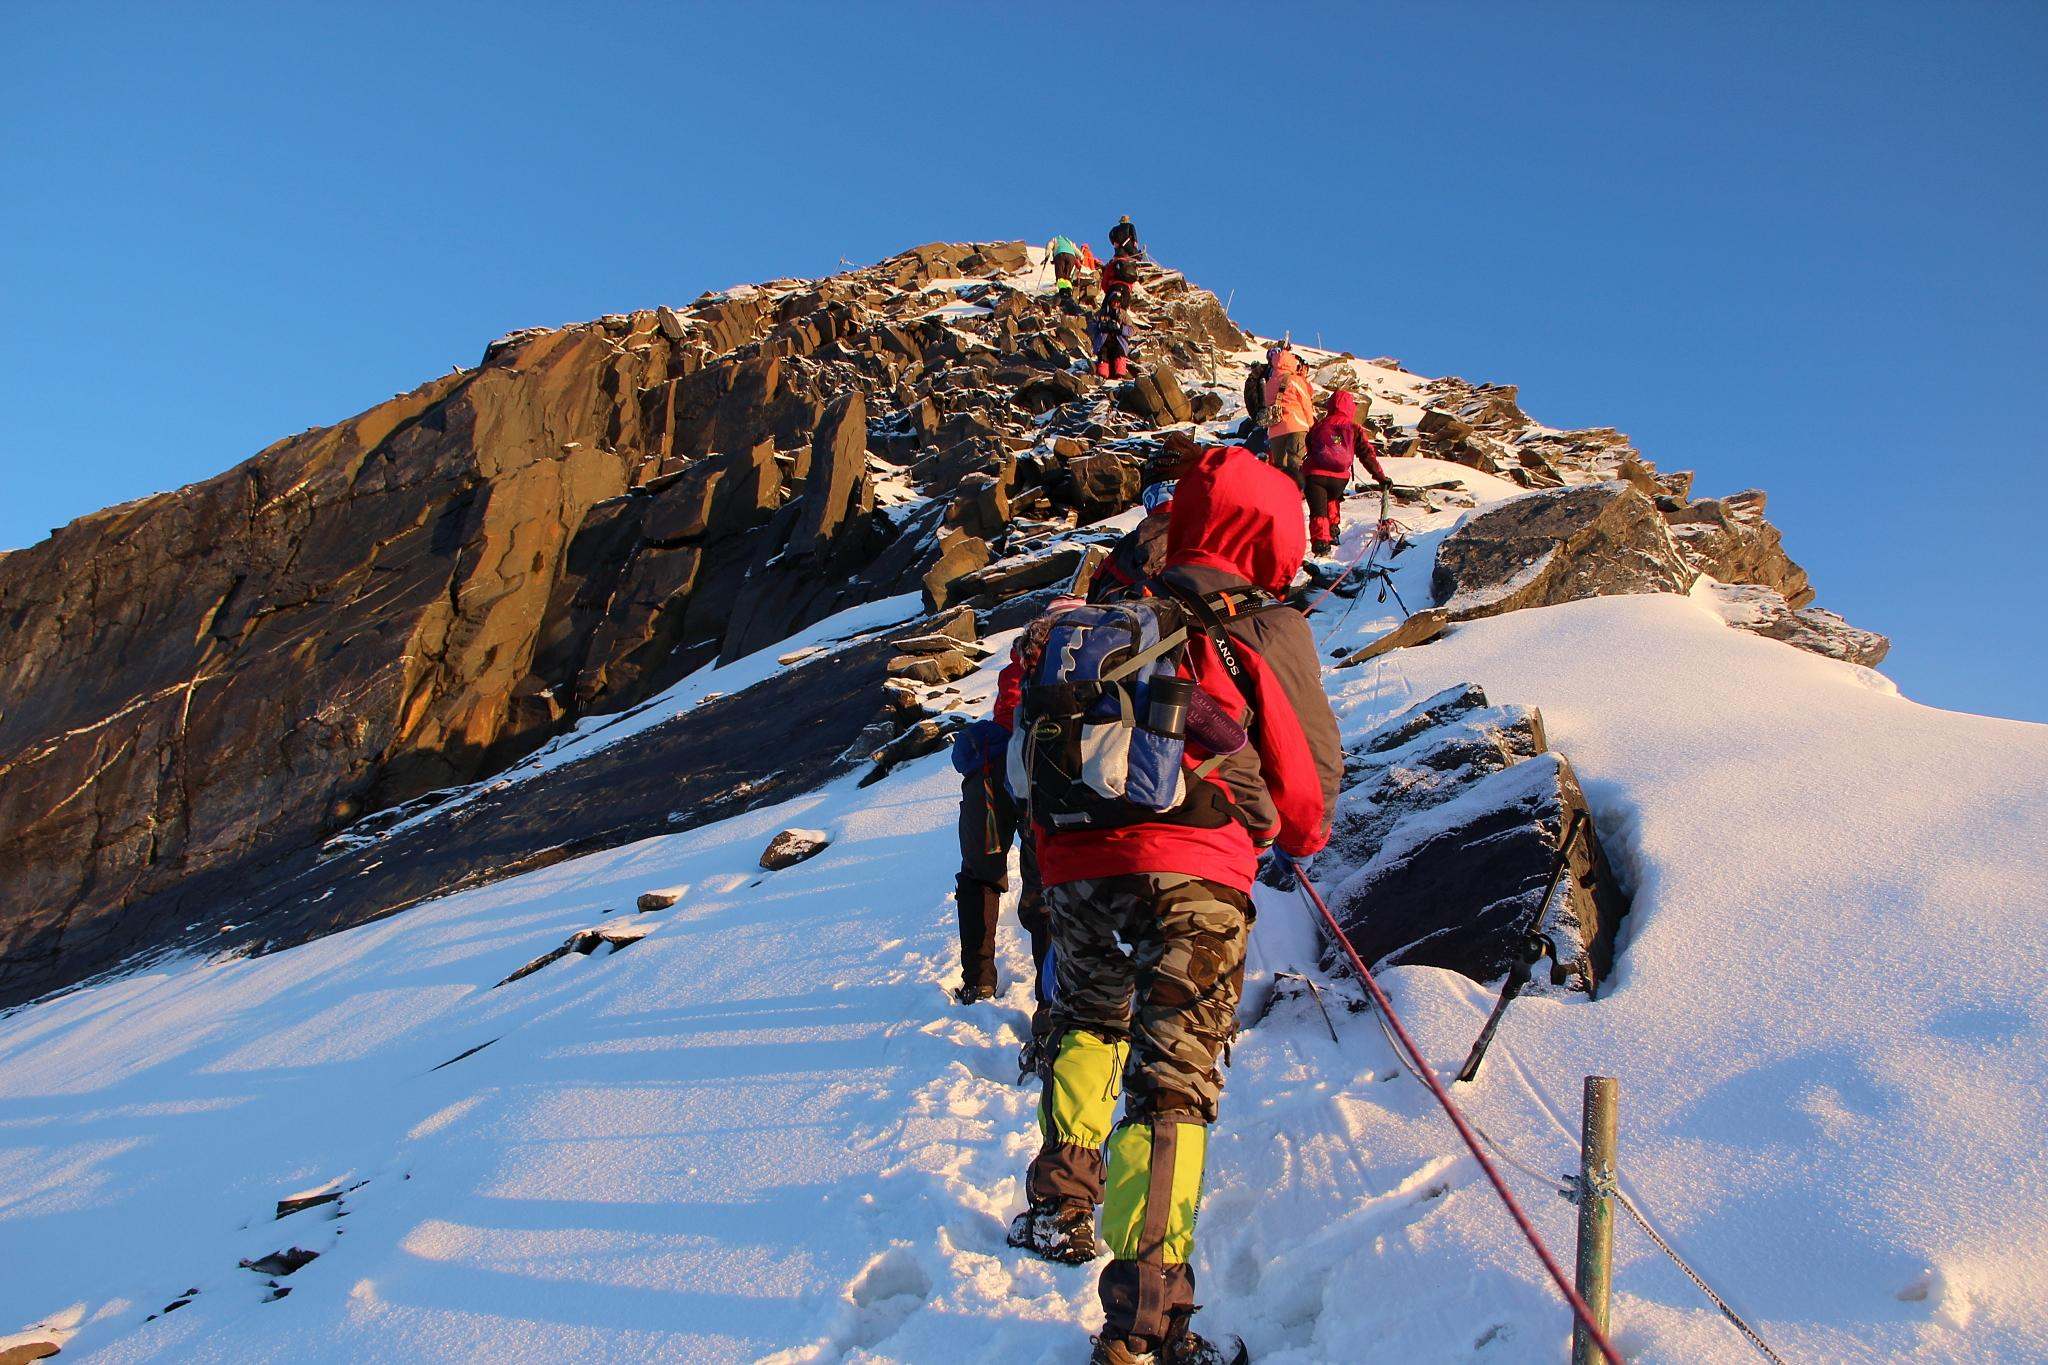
(1150,919)
(1335,443)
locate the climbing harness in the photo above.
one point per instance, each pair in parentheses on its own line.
(1457,1118)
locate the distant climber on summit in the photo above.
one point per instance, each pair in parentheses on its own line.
(1123,238)
(1335,443)
(1151,901)
(1290,412)
(1110,335)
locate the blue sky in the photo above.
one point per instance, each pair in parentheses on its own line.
(1789,246)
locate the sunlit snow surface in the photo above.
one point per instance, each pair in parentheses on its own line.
(763,1131)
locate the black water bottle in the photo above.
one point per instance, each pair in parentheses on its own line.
(1166,706)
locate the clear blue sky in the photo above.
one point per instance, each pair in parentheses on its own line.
(1795,246)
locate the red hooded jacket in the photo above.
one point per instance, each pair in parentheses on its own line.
(1236,522)
(1337,439)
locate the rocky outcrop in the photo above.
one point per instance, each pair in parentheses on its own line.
(1452,815)
(1764,611)
(1590,540)
(203,685)
(1729,539)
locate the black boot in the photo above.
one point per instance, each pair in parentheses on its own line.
(1185,1346)
(978,904)
(1061,1231)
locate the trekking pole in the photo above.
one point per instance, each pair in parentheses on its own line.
(1596,1333)
(1518,975)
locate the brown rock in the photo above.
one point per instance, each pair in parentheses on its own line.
(1157,397)
(957,624)
(981,507)
(838,457)
(1764,611)
(925,737)
(1590,540)
(793,846)
(1419,629)
(1103,484)
(1022,573)
(959,556)
(931,669)
(1729,539)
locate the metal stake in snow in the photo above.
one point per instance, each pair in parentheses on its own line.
(1596,1211)
(1594,1331)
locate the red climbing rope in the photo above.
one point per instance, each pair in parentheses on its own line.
(1557,1275)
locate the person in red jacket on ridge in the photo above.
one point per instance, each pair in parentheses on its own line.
(1150,922)
(1335,443)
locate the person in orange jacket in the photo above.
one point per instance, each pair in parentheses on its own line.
(1290,412)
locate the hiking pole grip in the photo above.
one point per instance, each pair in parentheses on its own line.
(1518,977)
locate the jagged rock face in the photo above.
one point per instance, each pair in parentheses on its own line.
(1764,611)
(1589,540)
(1729,539)
(1449,827)
(196,677)
(203,684)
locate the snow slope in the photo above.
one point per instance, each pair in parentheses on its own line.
(763,1132)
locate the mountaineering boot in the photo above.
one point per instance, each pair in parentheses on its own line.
(1102,369)
(1185,1346)
(1057,1230)
(972,994)
(1190,1349)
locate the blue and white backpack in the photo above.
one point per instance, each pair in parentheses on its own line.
(1100,736)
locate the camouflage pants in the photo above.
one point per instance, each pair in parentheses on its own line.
(1149,969)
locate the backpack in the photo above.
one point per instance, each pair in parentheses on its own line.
(1100,736)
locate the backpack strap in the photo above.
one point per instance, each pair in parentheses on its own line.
(1213,611)
(1167,643)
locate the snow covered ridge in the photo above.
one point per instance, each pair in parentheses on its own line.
(761,1132)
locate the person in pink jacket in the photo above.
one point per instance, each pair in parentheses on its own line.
(1290,412)
(1335,443)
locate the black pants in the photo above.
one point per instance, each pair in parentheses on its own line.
(989,820)
(1325,507)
